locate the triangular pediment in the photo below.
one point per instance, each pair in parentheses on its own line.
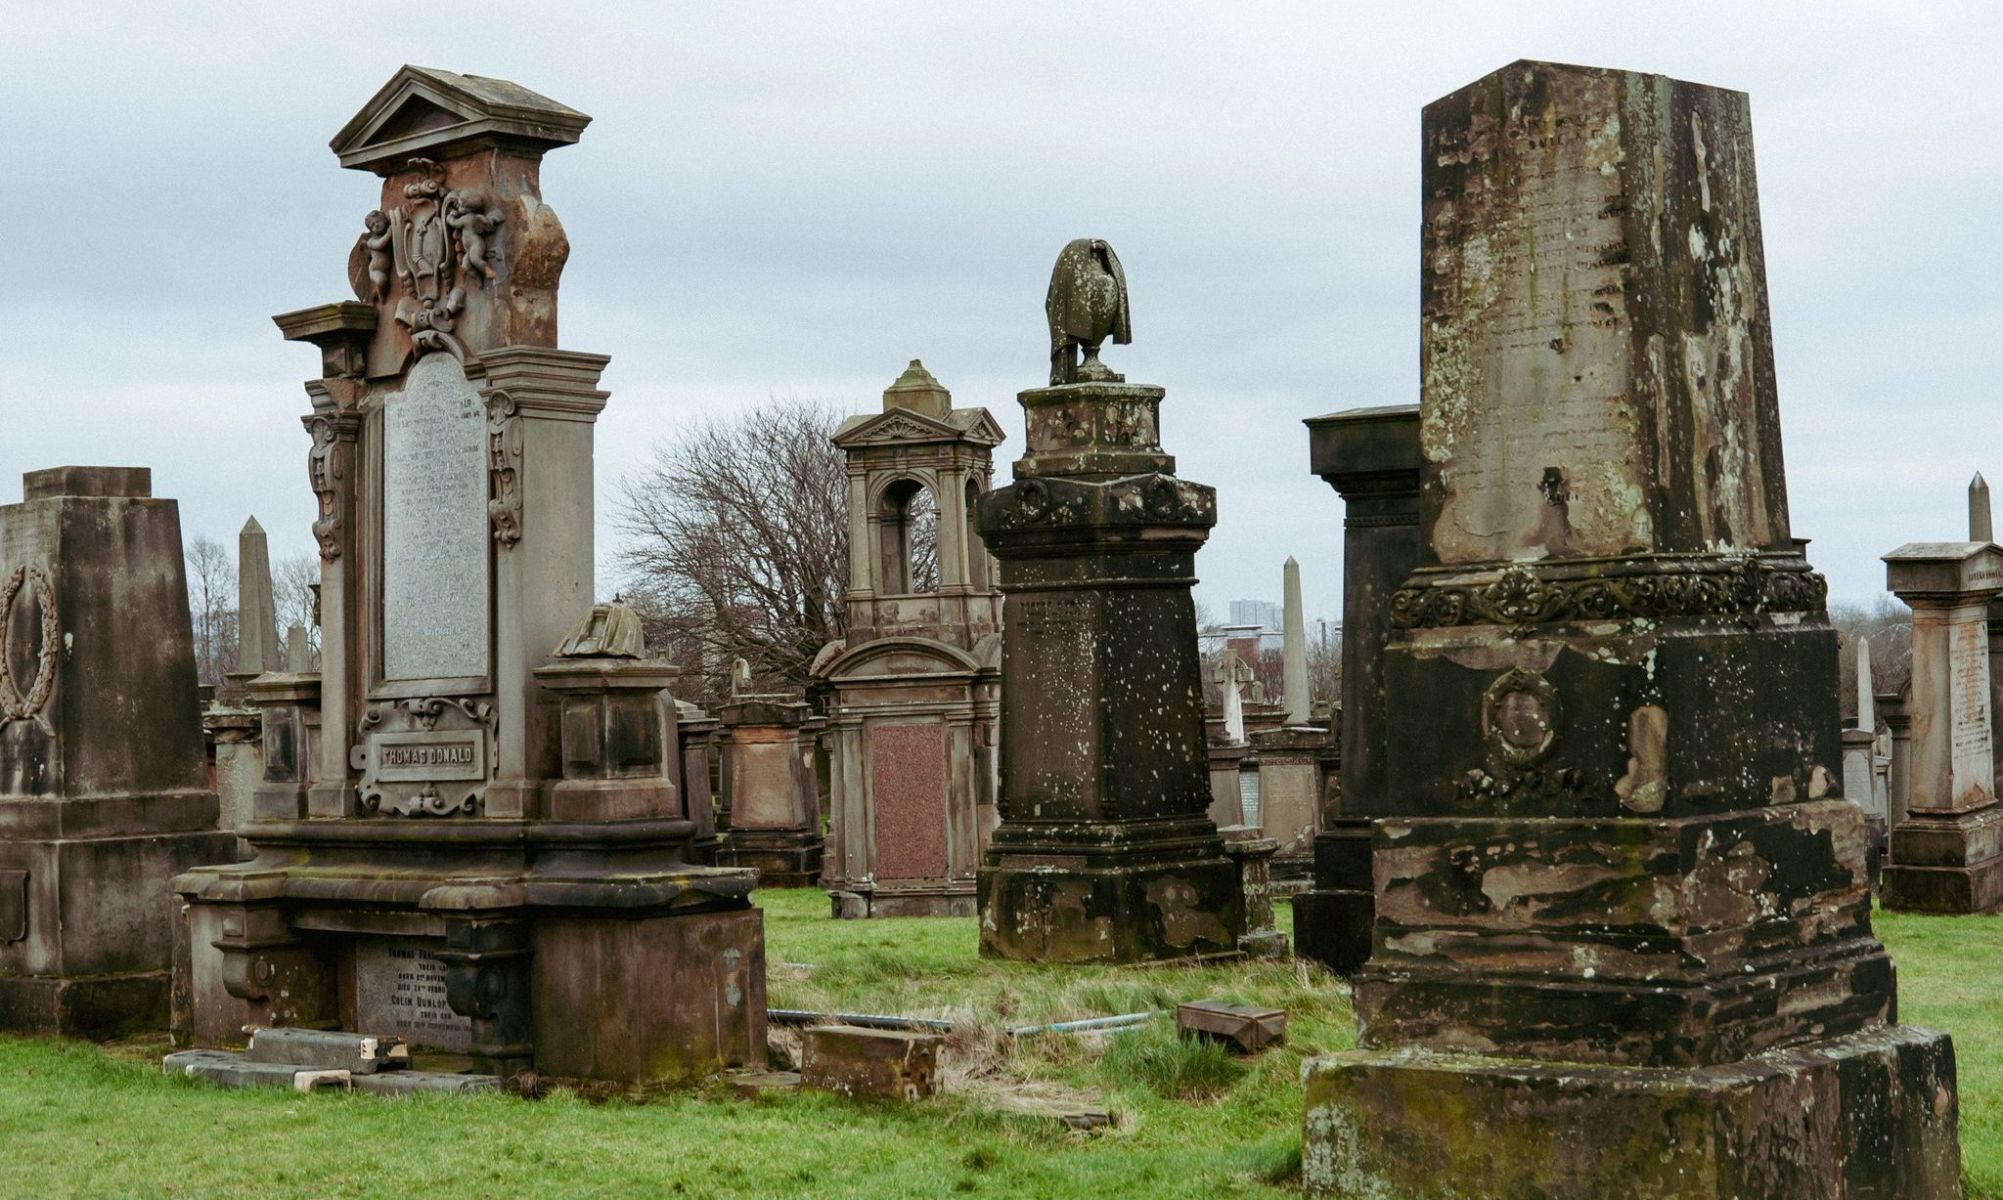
(423,112)
(901,425)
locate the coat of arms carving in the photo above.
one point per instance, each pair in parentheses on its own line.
(424,252)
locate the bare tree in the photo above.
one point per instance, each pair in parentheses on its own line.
(736,543)
(212,607)
(298,576)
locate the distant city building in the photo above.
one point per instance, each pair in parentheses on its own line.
(1264,614)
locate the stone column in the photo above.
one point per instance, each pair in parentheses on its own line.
(1947,855)
(1370,456)
(1898,782)
(1105,852)
(1622,940)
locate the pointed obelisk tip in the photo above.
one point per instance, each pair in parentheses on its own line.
(1981,527)
(1291,562)
(251,526)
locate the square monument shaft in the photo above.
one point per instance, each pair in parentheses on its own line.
(1595,347)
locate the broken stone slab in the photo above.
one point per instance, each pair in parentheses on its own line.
(1247,1027)
(411,1083)
(1082,1116)
(329,1049)
(750,1084)
(235,1071)
(892,1064)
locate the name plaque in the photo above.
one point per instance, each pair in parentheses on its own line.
(459,754)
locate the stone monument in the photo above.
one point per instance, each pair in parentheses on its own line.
(1623,933)
(916,682)
(1947,854)
(104,788)
(771,801)
(483,848)
(1298,697)
(1105,852)
(1370,456)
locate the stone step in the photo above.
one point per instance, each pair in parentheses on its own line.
(328,1049)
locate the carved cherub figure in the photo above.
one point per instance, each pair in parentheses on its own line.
(377,240)
(466,210)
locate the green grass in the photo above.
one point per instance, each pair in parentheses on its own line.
(78,1120)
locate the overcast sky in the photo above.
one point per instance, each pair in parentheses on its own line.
(795,199)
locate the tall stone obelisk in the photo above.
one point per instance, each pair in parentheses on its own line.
(1294,649)
(1623,931)
(1105,851)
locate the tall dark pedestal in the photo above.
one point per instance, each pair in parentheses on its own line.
(1105,851)
(1371,457)
(1622,944)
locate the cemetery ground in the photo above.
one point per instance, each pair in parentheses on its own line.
(1189,1120)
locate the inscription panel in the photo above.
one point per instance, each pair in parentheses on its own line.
(460,754)
(435,533)
(400,989)
(1968,704)
(1051,742)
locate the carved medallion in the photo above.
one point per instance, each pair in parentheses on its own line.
(1519,718)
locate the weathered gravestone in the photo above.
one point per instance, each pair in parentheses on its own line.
(917,680)
(1371,457)
(104,790)
(771,801)
(1623,941)
(483,846)
(1947,854)
(1105,851)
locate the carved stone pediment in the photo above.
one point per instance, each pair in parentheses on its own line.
(424,112)
(898,425)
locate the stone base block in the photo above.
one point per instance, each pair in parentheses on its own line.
(1057,908)
(1333,928)
(889,1064)
(1946,864)
(100,1007)
(857,905)
(648,999)
(1869,1115)
(783,859)
(1265,943)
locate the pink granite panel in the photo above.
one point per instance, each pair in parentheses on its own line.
(907,766)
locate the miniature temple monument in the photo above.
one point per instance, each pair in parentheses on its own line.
(1370,456)
(476,840)
(1105,851)
(104,790)
(916,682)
(1623,939)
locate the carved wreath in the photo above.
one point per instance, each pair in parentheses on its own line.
(14,705)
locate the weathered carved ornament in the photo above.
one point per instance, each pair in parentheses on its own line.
(1518,598)
(16,705)
(504,464)
(327,471)
(424,252)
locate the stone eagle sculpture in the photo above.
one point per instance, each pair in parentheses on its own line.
(1087,304)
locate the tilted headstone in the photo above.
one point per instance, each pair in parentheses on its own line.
(1623,930)
(104,789)
(917,680)
(476,836)
(1105,851)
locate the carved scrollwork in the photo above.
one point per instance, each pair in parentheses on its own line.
(1518,598)
(327,472)
(16,705)
(504,464)
(1512,791)
(428,756)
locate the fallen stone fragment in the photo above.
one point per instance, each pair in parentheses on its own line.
(1247,1027)
(892,1064)
(332,1049)
(410,1083)
(235,1071)
(748,1084)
